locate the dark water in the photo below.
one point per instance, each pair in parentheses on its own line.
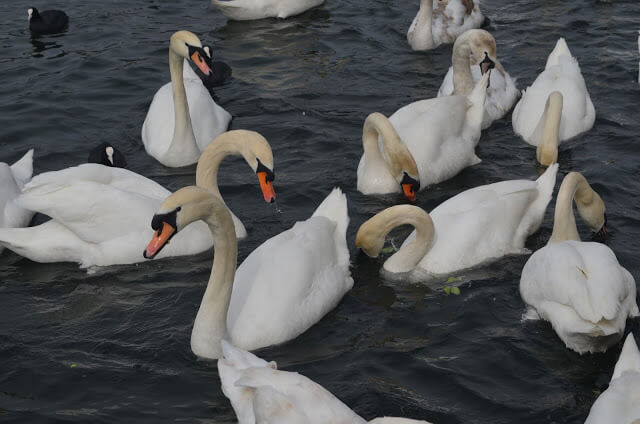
(114,346)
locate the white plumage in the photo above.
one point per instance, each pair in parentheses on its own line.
(262,394)
(562,74)
(620,403)
(12,180)
(243,10)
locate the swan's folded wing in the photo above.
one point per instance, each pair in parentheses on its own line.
(119,178)
(95,212)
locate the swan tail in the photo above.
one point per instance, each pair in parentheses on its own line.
(226,6)
(45,243)
(561,49)
(334,207)
(546,183)
(476,98)
(629,359)
(22,170)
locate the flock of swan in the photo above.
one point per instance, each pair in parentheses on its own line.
(100,213)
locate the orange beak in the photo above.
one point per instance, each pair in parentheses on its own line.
(200,63)
(267,188)
(409,192)
(160,239)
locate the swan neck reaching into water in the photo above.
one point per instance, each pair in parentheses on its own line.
(590,206)
(547,151)
(397,156)
(372,233)
(210,325)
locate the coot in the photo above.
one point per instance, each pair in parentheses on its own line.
(47,22)
(108,155)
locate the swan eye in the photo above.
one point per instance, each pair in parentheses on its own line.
(261,168)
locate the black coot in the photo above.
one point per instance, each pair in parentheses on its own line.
(47,22)
(108,155)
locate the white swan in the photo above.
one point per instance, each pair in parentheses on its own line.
(579,286)
(436,136)
(440,22)
(176,136)
(245,10)
(284,286)
(473,50)
(477,225)
(620,403)
(262,394)
(100,214)
(573,114)
(12,180)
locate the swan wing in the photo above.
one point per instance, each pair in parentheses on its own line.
(288,284)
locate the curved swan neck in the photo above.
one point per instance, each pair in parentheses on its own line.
(420,34)
(183,137)
(374,231)
(209,163)
(396,154)
(462,78)
(574,187)
(210,325)
(547,151)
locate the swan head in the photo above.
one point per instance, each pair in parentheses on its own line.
(180,209)
(480,46)
(187,45)
(108,155)
(369,239)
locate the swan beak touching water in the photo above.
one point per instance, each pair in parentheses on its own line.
(266,177)
(410,187)
(197,56)
(166,227)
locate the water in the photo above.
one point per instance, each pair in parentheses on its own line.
(113,346)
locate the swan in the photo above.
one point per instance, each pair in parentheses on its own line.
(176,136)
(100,214)
(473,227)
(220,71)
(441,22)
(620,403)
(12,180)
(422,143)
(106,154)
(478,47)
(262,394)
(556,106)
(47,22)
(282,288)
(246,10)
(579,286)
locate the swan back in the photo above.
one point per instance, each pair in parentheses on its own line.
(259,393)
(243,10)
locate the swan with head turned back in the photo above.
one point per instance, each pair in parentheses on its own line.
(467,69)
(481,224)
(579,286)
(620,403)
(282,288)
(245,10)
(556,107)
(12,180)
(262,394)
(100,214)
(422,143)
(441,22)
(183,118)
